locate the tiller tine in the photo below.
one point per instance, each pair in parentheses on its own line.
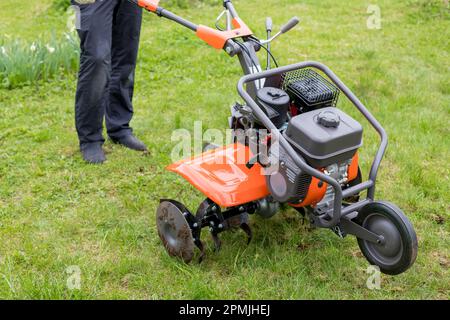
(248,231)
(180,230)
(217,242)
(201,247)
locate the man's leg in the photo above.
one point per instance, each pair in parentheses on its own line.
(94,76)
(125,44)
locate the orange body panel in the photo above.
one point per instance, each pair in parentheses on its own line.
(217,39)
(222,176)
(352,172)
(315,193)
(150,5)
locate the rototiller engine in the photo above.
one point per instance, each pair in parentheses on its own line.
(291,145)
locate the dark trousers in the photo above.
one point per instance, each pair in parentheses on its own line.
(109,38)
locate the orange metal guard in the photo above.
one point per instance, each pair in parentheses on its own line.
(222,176)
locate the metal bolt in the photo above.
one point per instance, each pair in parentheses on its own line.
(185,214)
(241,208)
(214,209)
(220,226)
(211,223)
(195,225)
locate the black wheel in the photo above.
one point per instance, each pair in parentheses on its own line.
(398,250)
(174,230)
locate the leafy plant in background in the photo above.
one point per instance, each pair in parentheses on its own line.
(60,5)
(23,63)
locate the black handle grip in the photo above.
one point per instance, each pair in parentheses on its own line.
(291,24)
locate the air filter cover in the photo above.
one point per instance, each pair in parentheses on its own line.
(325,136)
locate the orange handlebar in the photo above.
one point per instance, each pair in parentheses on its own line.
(215,38)
(150,5)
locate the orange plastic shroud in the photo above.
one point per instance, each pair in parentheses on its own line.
(217,39)
(353,168)
(150,5)
(317,188)
(315,193)
(222,175)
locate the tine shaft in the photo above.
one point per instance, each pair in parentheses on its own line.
(200,245)
(217,242)
(248,231)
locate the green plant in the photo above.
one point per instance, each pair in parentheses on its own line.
(60,5)
(23,63)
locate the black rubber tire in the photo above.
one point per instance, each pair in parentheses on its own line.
(374,217)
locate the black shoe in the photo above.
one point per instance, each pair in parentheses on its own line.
(130,142)
(93,153)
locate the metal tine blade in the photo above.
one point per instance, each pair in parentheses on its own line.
(248,231)
(217,242)
(201,247)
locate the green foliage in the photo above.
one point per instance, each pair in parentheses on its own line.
(24,63)
(60,5)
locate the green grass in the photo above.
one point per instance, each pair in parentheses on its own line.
(56,211)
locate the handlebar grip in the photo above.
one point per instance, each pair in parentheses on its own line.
(269,24)
(291,24)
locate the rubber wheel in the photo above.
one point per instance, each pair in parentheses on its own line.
(398,251)
(174,230)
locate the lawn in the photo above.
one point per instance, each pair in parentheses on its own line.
(57,212)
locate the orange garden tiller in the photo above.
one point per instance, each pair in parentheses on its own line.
(310,158)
